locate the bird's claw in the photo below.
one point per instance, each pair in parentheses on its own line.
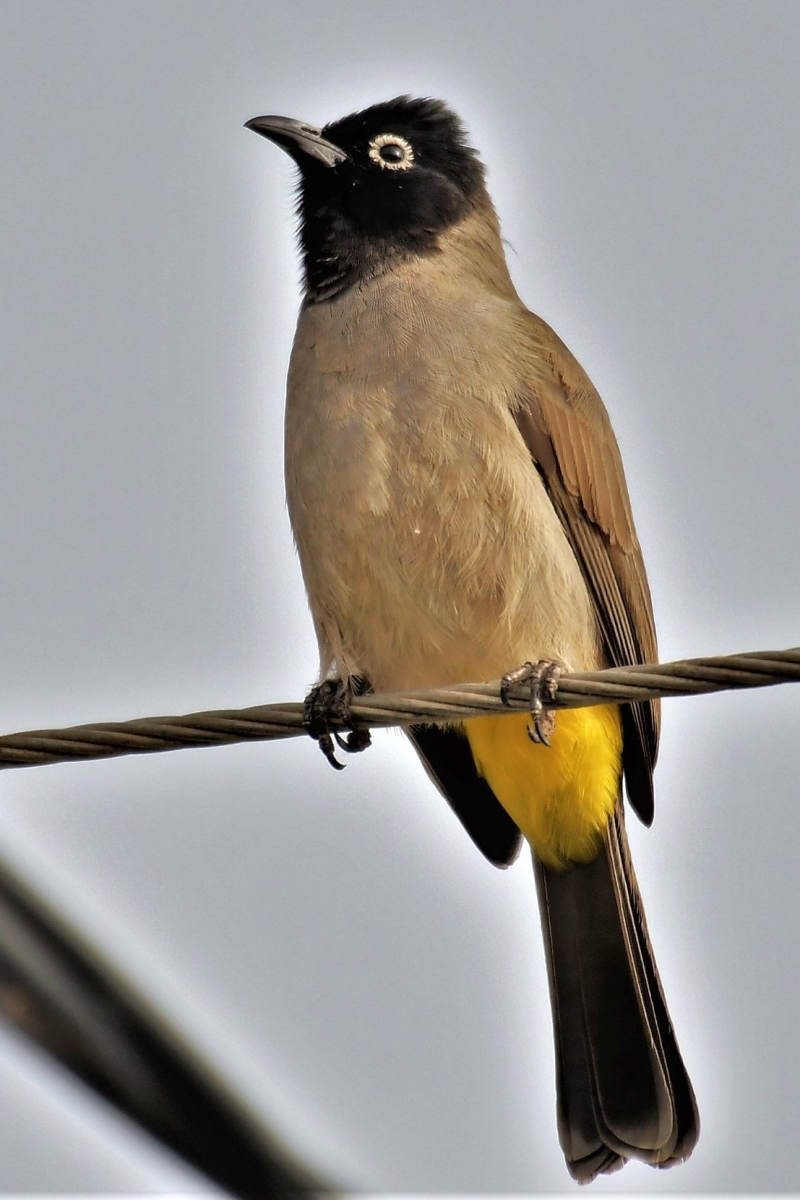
(542,680)
(330,702)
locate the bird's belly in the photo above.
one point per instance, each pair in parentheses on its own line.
(561,796)
(430,550)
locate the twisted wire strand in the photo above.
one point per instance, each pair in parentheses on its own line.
(264,722)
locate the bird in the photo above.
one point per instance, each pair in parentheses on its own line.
(460,510)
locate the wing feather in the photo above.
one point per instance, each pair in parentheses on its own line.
(568,433)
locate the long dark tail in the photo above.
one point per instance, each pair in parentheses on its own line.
(623,1091)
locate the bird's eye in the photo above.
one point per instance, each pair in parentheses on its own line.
(391,151)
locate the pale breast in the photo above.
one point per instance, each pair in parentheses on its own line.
(430,550)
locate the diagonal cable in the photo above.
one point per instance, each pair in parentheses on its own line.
(61,992)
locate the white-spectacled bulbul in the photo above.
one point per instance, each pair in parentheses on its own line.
(459,505)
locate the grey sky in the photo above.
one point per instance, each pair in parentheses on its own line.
(335,943)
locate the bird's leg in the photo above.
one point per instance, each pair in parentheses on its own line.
(542,678)
(330,702)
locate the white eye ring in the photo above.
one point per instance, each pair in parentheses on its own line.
(391,139)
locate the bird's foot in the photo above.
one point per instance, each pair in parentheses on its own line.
(542,678)
(327,703)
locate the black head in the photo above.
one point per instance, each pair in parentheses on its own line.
(376,187)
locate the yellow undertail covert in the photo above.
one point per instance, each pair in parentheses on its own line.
(561,796)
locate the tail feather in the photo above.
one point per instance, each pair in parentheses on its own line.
(623,1091)
(687,1121)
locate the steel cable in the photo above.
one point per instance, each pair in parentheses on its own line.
(148,735)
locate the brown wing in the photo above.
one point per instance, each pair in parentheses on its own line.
(447,758)
(567,430)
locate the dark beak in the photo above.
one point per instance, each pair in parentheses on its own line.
(297,139)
